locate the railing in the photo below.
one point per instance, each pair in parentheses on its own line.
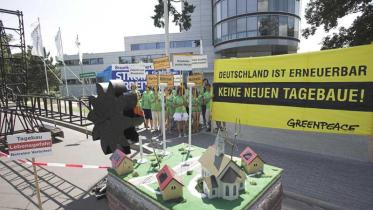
(72,110)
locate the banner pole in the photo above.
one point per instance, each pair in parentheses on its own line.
(190,85)
(37,184)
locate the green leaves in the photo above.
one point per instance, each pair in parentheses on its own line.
(326,13)
(181,19)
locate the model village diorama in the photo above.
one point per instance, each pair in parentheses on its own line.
(181,176)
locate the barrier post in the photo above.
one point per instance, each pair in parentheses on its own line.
(37,184)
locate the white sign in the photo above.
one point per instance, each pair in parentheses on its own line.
(177,80)
(199,62)
(125,67)
(136,70)
(182,62)
(28,145)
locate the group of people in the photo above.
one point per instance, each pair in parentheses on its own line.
(176,107)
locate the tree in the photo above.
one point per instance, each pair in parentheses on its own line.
(36,75)
(181,19)
(325,13)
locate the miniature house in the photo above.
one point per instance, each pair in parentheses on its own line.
(170,184)
(121,163)
(251,161)
(222,177)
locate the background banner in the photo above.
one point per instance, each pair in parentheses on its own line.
(328,91)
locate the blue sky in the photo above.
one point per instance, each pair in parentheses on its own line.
(102,24)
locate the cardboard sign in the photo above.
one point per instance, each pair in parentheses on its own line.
(116,158)
(177,80)
(136,70)
(152,80)
(199,62)
(197,79)
(329,91)
(167,78)
(182,62)
(29,145)
(161,63)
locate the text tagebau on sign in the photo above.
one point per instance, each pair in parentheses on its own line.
(29,145)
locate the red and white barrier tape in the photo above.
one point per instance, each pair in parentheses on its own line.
(64,165)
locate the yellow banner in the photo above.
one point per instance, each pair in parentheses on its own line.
(161,63)
(197,79)
(329,91)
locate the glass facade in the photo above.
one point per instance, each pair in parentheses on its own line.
(160,45)
(87,61)
(138,58)
(239,19)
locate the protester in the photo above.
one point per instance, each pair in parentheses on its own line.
(195,110)
(207,101)
(155,100)
(170,110)
(180,115)
(146,106)
(203,106)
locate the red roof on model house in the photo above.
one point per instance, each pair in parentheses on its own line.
(248,155)
(165,175)
(117,157)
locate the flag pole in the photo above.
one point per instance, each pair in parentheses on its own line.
(63,62)
(45,65)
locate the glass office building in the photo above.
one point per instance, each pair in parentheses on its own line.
(253,27)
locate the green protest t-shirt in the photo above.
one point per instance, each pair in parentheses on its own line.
(145,101)
(170,104)
(155,100)
(207,97)
(179,104)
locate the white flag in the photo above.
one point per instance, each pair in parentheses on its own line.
(77,43)
(58,41)
(37,43)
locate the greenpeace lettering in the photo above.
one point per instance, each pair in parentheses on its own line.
(334,88)
(335,126)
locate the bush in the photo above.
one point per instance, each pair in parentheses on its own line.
(154,164)
(153,159)
(189,172)
(252,182)
(183,152)
(181,149)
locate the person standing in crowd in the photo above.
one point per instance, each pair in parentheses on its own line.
(203,105)
(180,115)
(195,111)
(155,100)
(170,110)
(146,107)
(207,101)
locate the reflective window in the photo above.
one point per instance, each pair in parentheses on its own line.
(297,2)
(241,7)
(232,29)
(181,44)
(296,28)
(252,5)
(252,26)
(274,5)
(291,26)
(283,26)
(262,5)
(283,5)
(264,25)
(291,4)
(218,31)
(224,31)
(231,8)
(241,27)
(218,12)
(224,9)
